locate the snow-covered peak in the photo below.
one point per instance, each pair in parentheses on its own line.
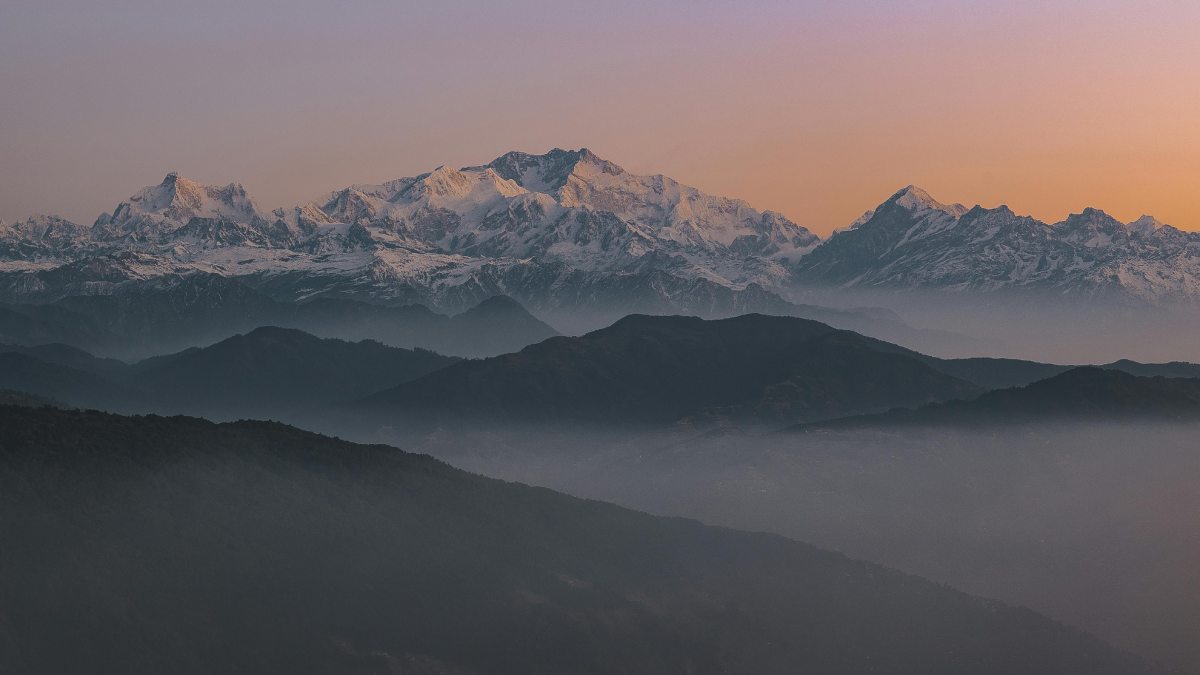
(866,216)
(548,173)
(913,198)
(302,220)
(1146,225)
(42,229)
(1091,228)
(447,185)
(445,182)
(177,200)
(1091,215)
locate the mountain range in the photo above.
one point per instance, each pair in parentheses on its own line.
(151,544)
(547,229)
(1079,394)
(641,372)
(570,233)
(269,372)
(171,313)
(912,241)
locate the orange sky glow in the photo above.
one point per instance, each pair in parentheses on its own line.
(819,110)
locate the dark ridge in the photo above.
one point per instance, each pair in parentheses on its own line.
(661,369)
(1085,393)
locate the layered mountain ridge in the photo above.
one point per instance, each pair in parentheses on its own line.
(568,230)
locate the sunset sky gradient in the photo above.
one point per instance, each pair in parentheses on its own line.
(815,109)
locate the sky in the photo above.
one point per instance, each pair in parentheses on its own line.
(819,110)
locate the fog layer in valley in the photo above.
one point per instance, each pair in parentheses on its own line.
(1040,326)
(1096,525)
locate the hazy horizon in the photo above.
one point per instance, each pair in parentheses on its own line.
(816,110)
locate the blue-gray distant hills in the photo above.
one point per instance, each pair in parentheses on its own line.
(1085,394)
(173,313)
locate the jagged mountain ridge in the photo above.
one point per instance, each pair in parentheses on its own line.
(568,229)
(913,241)
(533,226)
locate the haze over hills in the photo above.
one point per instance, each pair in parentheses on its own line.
(665,413)
(752,371)
(1088,520)
(267,373)
(1080,394)
(641,372)
(177,545)
(175,312)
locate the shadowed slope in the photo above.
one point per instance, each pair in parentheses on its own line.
(148,545)
(656,369)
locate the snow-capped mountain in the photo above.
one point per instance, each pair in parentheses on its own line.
(574,208)
(568,230)
(914,241)
(39,237)
(547,229)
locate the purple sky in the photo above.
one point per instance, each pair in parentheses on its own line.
(816,109)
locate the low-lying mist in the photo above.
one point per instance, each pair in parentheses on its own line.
(1097,525)
(1041,326)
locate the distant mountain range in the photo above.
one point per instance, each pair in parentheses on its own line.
(570,233)
(1079,394)
(151,544)
(267,373)
(912,241)
(552,230)
(175,312)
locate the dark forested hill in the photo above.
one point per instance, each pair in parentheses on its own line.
(267,372)
(660,369)
(271,371)
(22,372)
(152,545)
